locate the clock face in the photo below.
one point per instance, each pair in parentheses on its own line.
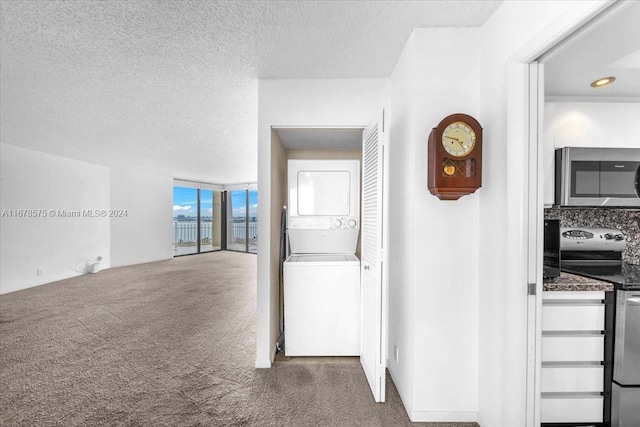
(458,139)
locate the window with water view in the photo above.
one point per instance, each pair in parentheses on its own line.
(209,219)
(196,220)
(242,222)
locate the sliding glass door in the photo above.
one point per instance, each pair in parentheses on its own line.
(207,218)
(253,221)
(197,218)
(237,221)
(185,221)
(210,220)
(242,221)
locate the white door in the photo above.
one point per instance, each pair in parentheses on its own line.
(373,263)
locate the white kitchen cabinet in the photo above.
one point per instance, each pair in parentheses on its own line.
(574,317)
(570,348)
(572,409)
(567,297)
(571,379)
(573,352)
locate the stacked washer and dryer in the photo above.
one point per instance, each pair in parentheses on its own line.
(322,274)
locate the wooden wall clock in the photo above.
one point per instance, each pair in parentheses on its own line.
(455,157)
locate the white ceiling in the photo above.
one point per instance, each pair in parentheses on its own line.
(609,46)
(173,84)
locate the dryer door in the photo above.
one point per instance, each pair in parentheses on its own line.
(323,193)
(323,188)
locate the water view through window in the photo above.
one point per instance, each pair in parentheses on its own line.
(196,220)
(242,222)
(207,219)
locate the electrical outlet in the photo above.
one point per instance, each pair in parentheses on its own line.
(99,258)
(38,272)
(396,353)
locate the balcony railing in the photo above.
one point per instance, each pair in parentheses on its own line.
(185,236)
(240,228)
(185,233)
(238,242)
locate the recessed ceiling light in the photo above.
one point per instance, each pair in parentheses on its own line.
(603,81)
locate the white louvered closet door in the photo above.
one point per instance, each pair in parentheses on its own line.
(373,274)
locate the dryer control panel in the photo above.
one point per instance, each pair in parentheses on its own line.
(344,223)
(326,223)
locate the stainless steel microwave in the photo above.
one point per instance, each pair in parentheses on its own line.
(597,177)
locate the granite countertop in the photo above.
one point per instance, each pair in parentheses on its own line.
(573,282)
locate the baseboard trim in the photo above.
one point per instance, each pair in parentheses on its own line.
(405,402)
(263,364)
(266,363)
(450,417)
(49,279)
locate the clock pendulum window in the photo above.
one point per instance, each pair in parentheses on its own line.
(455,157)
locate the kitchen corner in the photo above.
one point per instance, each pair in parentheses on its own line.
(590,318)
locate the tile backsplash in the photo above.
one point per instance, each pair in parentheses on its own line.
(625,220)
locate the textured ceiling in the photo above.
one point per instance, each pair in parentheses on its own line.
(173,84)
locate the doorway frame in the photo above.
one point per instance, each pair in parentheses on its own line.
(525,114)
(268,315)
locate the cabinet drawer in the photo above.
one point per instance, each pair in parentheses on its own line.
(573,317)
(563,348)
(573,295)
(571,409)
(572,379)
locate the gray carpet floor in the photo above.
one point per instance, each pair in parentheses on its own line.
(170,343)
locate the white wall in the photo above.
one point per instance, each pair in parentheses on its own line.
(55,245)
(400,288)
(586,124)
(351,102)
(433,243)
(445,237)
(145,234)
(592,124)
(32,179)
(467,324)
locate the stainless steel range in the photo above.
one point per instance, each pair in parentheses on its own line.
(597,253)
(593,247)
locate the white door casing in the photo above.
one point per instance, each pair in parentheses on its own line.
(373,257)
(535,240)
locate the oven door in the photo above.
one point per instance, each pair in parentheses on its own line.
(626,358)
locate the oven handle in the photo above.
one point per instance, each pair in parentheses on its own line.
(634,300)
(638,181)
